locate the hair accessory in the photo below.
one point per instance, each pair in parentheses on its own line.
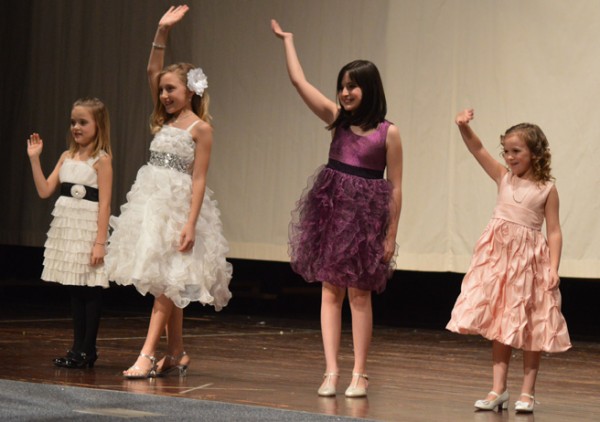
(196,81)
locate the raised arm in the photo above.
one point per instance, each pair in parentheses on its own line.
(157,52)
(45,187)
(394,175)
(492,167)
(319,104)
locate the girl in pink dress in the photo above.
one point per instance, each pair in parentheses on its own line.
(510,292)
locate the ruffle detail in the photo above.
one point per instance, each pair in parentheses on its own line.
(338,231)
(68,248)
(142,250)
(504,295)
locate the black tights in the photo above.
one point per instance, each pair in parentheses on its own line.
(86,304)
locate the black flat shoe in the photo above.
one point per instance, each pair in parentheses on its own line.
(80,361)
(61,361)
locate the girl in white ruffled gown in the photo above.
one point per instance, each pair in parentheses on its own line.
(168,239)
(75,248)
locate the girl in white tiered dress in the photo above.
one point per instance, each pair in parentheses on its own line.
(168,239)
(75,247)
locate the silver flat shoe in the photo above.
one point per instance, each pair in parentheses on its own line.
(353,390)
(327,389)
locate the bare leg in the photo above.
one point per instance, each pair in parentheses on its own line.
(501,358)
(531,366)
(332,298)
(175,347)
(362,330)
(161,312)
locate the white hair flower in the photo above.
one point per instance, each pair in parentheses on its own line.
(196,81)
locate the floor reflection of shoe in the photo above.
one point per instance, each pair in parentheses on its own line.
(500,402)
(174,364)
(327,389)
(353,390)
(135,372)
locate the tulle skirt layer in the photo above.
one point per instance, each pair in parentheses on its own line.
(504,295)
(68,248)
(338,230)
(142,249)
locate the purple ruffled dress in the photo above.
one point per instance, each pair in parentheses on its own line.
(339,225)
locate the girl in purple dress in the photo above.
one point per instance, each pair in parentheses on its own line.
(343,232)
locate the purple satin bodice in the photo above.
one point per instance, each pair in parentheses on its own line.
(366,151)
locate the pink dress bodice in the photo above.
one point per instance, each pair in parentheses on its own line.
(521,201)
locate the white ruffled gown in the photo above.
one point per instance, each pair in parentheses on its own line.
(142,249)
(68,248)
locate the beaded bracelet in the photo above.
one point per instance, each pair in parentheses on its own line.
(159,46)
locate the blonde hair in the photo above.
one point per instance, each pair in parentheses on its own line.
(101,120)
(539,147)
(199,103)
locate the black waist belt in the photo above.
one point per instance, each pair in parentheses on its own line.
(355,171)
(79,191)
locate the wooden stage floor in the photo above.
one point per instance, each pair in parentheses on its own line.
(416,375)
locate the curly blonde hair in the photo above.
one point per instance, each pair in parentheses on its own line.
(199,103)
(539,147)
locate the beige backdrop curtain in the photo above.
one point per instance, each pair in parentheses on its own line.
(513,61)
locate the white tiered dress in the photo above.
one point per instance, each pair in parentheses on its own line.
(142,250)
(73,230)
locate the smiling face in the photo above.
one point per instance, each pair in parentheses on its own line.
(173,93)
(83,125)
(350,94)
(517,155)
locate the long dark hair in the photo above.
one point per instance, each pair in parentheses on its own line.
(373,107)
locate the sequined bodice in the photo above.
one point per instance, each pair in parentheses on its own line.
(173,148)
(366,151)
(522,201)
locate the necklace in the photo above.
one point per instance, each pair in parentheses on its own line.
(182,115)
(514,189)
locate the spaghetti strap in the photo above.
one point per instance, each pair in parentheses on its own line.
(192,125)
(93,160)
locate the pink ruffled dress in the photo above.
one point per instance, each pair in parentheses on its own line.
(340,222)
(504,295)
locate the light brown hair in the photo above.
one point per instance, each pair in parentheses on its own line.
(101,120)
(199,103)
(539,147)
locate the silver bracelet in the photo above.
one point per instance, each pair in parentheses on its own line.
(159,46)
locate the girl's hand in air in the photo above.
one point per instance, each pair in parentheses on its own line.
(464,117)
(34,145)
